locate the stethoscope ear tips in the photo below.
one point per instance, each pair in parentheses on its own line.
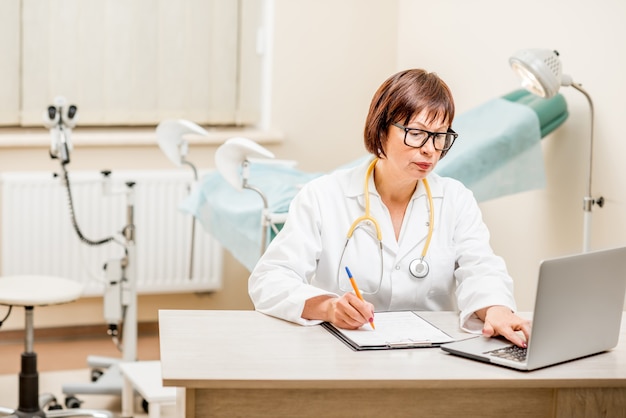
(419,268)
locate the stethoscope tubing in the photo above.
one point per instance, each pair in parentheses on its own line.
(419,267)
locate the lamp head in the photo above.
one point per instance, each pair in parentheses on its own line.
(170,134)
(540,71)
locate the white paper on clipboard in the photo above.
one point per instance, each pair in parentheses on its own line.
(400,329)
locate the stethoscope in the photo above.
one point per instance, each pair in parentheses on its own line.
(419,267)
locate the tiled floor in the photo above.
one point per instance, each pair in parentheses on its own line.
(65,361)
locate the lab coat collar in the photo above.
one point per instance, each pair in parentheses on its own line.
(356,180)
(419,231)
(354,187)
(436,188)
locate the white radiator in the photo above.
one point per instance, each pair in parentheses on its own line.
(38,236)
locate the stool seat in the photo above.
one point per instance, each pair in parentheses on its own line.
(35,290)
(29,291)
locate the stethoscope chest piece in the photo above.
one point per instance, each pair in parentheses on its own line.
(419,268)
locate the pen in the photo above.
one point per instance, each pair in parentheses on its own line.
(358,292)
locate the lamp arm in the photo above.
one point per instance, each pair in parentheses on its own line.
(588,202)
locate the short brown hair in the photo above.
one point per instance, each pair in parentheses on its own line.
(402,96)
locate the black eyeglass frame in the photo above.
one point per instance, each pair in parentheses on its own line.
(430,135)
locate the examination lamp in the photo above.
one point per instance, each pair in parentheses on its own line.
(540,71)
(170,137)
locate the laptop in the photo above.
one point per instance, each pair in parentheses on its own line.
(578,312)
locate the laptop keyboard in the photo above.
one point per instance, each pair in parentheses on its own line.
(512,352)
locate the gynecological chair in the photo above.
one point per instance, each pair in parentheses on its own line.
(501,138)
(28,292)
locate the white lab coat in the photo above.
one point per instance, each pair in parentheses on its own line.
(303,260)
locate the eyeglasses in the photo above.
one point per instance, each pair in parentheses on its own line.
(417,138)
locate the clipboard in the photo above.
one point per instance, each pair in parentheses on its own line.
(397,329)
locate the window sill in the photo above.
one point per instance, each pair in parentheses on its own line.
(131,137)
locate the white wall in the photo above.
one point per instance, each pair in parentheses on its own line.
(468,43)
(329,58)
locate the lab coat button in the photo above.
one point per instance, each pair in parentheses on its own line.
(398,267)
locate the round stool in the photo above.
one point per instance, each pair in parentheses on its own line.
(31,291)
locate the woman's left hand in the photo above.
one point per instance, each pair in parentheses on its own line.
(500,320)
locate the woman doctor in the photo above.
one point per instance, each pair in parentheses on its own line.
(412,240)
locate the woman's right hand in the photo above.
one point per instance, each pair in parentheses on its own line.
(349,312)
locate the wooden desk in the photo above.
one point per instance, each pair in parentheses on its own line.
(246,364)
